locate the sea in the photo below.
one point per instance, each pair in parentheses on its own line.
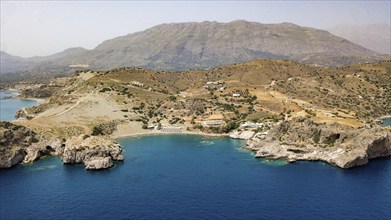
(9,105)
(386,121)
(194,177)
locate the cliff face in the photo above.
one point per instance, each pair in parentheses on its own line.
(94,152)
(302,139)
(18,144)
(14,141)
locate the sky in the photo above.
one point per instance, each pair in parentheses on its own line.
(40,28)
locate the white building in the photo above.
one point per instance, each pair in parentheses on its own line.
(249,124)
(213,123)
(136,83)
(213,83)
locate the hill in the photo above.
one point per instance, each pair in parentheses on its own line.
(14,68)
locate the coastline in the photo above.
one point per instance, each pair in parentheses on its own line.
(39,101)
(157,132)
(16,95)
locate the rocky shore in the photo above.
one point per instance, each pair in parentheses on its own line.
(303,139)
(19,144)
(298,139)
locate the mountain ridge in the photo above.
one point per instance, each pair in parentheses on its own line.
(205,45)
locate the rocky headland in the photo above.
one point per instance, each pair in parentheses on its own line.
(19,144)
(303,139)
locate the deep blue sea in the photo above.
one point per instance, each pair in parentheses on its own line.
(9,106)
(195,177)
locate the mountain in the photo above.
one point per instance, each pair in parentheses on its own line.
(180,46)
(70,52)
(376,37)
(12,64)
(9,63)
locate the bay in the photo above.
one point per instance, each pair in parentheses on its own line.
(9,105)
(195,177)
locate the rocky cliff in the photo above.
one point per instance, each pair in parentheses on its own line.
(14,141)
(19,144)
(95,152)
(303,139)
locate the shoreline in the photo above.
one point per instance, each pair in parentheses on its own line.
(16,95)
(38,100)
(154,132)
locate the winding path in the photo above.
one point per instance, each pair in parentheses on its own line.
(67,110)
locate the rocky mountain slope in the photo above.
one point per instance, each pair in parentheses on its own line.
(376,37)
(205,45)
(11,64)
(181,46)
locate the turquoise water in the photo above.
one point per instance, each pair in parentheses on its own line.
(195,177)
(387,121)
(9,106)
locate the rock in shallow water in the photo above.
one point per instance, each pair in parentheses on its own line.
(93,151)
(98,163)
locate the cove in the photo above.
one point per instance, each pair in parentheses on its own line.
(194,177)
(9,105)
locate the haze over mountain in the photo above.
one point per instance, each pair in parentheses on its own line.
(376,37)
(10,63)
(204,45)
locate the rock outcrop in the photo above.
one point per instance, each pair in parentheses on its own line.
(99,163)
(53,147)
(244,135)
(94,152)
(14,141)
(303,139)
(19,144)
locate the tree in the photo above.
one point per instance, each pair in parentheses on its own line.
(172,98)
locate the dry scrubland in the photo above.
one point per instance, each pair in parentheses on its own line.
(269,90)
(128,101)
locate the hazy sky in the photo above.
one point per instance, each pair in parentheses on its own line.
(34,28)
